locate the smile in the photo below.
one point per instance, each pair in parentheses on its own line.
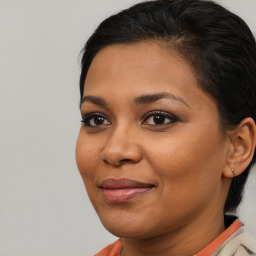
(123,190)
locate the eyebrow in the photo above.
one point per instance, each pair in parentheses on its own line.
(93,99)
(151,98)
(143,99)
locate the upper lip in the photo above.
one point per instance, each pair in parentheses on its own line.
(124,183)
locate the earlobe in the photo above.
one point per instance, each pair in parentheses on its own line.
(242,147)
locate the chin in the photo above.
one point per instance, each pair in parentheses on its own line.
(126,227)
(127,232)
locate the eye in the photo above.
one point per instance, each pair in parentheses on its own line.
(159,118)
(94,120)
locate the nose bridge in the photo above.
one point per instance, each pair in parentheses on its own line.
(122,146)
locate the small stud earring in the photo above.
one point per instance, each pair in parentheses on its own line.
(233,171)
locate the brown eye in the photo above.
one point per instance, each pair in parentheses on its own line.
(94,120)
(98,120)
(159,118)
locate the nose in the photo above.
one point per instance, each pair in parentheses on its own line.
(121,147)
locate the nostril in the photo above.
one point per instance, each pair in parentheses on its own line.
(125,160)
(105,161)
(117,163)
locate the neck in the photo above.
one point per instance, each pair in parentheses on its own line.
(185,241)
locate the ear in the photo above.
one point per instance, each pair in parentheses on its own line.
(242,147)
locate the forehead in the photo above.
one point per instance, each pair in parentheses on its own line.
(138,62)
(140,68)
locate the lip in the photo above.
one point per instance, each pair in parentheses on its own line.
(123,190)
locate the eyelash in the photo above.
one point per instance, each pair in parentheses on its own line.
(165,115)
(90,116)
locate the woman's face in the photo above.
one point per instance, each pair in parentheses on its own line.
(150,150)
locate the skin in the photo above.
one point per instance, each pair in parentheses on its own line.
(184,158)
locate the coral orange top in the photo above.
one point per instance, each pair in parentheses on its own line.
(111,250)
(115,248)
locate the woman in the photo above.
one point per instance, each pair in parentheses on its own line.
(168,128)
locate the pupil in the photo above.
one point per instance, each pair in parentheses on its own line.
(98,120)
(159,119)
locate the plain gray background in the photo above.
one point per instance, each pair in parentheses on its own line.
(44,207)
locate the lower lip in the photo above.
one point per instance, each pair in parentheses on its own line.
(123,195)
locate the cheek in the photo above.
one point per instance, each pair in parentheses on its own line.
(184,162)
(188,175)
(85,158)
